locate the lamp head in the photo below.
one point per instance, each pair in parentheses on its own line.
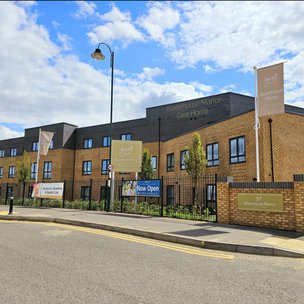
(98,55)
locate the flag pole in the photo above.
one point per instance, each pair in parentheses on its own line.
(257,124)
(38,155)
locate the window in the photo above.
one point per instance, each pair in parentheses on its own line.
(154,162)
(104,191)
(104,166)
(1,172)
(88,143)
(170,162)
(1,153)
(33,170)
(13,151)
(127,136)
(182,159)
(211,193)
(30,191)
(11,171)
(85,193)
(170,195)
(35,146)
(212,155)
(51,145)
(87,167)
(47,170)
(106,141)
(10,192)
(237,150)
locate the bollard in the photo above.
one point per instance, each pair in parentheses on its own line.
(11,205)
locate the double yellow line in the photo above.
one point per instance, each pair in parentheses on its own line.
(140,240)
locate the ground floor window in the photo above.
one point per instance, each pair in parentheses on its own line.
(85,193)
(104,192)
(170,195)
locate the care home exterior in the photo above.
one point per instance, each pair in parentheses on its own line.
(225,123)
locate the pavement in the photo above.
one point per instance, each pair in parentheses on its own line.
(232,238)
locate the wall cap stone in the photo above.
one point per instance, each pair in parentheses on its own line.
(298,177)
(262,185)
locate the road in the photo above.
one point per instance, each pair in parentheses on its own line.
(51,263)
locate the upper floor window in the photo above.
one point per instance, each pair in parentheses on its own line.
(35,146)
(127,136)
(170,162)
(1,172)
(33,170)
(13,151)
(237,150)
(51,145)
(154,162)
(47,170)
(106,141)
(1,153)
(104,166)
(11,171)
(182,159)
(212,154)
(87,167)
(88,143)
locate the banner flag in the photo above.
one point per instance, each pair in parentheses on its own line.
(271,90)
(45,141)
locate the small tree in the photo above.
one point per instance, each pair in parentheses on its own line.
(195,163)
(147,171)
(24,171)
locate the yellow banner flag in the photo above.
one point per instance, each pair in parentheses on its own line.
(271,90)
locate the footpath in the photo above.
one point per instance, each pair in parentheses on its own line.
(207,235)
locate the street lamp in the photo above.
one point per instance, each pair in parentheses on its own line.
(98,55)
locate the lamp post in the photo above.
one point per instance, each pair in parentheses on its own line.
(98,55)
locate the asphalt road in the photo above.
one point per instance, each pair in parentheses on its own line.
(49,263)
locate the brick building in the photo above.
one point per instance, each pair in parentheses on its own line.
(225,123)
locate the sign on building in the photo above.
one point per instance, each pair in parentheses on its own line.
(270,202)
(141,188)
(126,155)
(48,190)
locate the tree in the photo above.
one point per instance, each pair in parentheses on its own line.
(195,163)
(147,171)
(24,171)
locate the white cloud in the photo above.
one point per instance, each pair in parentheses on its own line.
(149,73)
(85,9)
(40,84)
(160,17)
(7,133)
(118,26)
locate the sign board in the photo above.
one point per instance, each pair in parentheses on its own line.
(260,202)
(126,155)
(48,190)
(141,188)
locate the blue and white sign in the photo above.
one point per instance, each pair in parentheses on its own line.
(141,188)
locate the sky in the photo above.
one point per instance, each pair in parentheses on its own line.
(165,52)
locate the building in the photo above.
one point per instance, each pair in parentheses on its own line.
(225,123)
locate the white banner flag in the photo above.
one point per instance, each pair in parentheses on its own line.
(45,141)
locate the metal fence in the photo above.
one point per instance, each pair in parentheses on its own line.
(179,197)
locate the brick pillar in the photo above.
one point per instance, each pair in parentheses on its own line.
(223,205)
(299,201)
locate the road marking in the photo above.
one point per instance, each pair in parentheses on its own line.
(136,239)
(6,212)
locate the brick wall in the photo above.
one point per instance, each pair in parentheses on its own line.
(292,217)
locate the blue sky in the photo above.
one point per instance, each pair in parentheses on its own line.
(164,52)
